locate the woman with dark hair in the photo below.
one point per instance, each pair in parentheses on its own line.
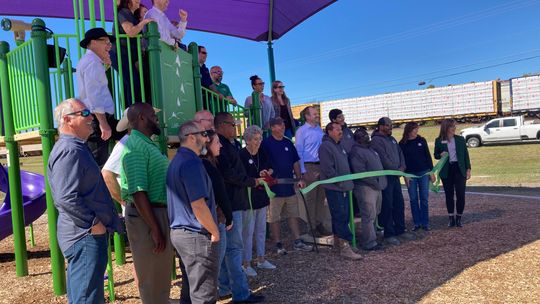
(418,162)
(267,109)
(140,12)
(282,107)
(455,173)
(130,25)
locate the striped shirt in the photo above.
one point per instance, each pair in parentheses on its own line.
(144,168)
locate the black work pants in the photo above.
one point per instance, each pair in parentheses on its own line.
(454,183)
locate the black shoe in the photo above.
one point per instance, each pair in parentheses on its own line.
(415,228)
(452,222)
(458,221)
(251,299)
(375,248)
(426,228)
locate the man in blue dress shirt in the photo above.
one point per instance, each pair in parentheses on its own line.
(85,209)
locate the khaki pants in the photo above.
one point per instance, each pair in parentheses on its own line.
(153,270)
(316,204)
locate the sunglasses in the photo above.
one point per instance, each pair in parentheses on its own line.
(260,83)
(217,72)
(83,113)
(204,53)
(279,87)
(202,133)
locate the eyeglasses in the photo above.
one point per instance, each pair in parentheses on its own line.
(279,87)
(83,113)
(259,83)
(107,41)
(217,72)
(202,133)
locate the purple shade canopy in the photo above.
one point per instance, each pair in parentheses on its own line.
(247,19)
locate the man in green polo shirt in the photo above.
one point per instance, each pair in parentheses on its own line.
(143,177)
(216,73)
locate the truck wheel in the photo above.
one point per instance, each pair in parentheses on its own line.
(473,142)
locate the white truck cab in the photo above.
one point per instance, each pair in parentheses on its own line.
(503,129)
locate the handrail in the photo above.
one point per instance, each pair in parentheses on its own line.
(22,80)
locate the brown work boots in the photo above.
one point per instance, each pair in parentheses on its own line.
(345,249)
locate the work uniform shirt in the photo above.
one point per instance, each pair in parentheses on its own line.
(187,181)
(282,155)
(223,89)
(144,168)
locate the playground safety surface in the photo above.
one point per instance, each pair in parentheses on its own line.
(494,258)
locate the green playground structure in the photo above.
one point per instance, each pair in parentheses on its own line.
(38,74)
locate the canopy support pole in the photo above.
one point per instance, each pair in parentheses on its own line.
(270,49)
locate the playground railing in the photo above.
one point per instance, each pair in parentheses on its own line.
(22,81)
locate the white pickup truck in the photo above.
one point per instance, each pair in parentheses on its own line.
(503,129)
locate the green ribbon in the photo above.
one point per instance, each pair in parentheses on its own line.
(435,187)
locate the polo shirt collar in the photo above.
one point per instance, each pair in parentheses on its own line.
(141,136)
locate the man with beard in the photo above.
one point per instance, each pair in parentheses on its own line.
(392,215)
(337,116)
(143,177)
(193,216)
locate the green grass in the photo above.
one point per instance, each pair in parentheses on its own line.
(511,165)
(500,166)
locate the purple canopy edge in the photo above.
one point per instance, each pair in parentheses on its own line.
(244,19)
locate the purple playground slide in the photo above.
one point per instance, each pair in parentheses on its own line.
(34,204)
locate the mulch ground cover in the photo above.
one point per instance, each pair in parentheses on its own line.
(494,258)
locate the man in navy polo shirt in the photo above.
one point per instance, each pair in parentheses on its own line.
(192,214)
(285,161)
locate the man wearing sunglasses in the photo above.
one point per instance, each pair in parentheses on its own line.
(232,278)
(192,214)
(94,92)
(142,182)
(85,209)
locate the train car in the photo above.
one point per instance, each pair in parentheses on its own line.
(464,102)
(525,93)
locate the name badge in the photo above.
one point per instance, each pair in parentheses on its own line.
(444,142)
(286,148)
(419,144)
(250,161)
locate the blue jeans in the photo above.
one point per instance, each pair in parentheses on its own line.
(87,261)
(418,194)
(338,203)
(231,276)
(392,215)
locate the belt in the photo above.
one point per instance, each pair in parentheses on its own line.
(205,233)
(313,163)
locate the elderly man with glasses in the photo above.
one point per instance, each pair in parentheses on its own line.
(94,91)
(85,210)
(232,279)
(142,182)
(193,216)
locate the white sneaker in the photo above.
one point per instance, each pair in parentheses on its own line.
(265,265)
(249,271)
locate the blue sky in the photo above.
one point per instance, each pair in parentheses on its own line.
(358,48)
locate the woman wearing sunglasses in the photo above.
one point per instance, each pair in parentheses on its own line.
(282,107)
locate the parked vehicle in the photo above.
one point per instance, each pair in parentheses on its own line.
(505,129)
